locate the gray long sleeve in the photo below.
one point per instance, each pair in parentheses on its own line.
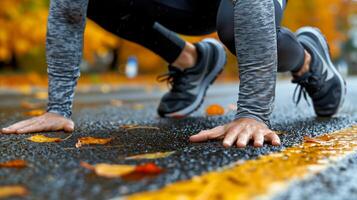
(256,47)
(255,36)
(66,22)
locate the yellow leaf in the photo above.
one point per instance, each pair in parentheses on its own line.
(41,95)
(43,139)
(25,89)
(109,170)
(138,106)
(91,140)
(35,113)
(156,155)
(12,191)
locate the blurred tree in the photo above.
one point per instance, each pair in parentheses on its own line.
(23,31)
(22,27)
(329,16)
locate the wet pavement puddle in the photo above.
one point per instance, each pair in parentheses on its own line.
(264,177)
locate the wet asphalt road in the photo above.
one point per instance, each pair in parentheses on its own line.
(55,173)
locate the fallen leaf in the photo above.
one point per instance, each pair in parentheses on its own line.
(156,155)
(29,105)
(311,140)
(116,103)
(135,126)
(109,170)
(35,113)
(214,110)
(12,191)
(320,140)
(105,89)
(87,165)
(43,139)
(91,140)
(138,106)
(326,138)
(14,164)
(25,89)
(148,168)
(128,126)
(41,95)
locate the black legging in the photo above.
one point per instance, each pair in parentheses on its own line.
(147,22)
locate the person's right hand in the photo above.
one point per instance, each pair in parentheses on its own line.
(45,122)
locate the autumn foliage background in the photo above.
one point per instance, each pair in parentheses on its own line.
(23,30)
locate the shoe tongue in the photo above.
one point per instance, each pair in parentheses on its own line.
(197,68)
(315,61)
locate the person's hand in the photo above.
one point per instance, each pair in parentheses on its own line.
(240,132)
(45,122)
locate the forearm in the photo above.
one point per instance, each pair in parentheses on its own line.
(256,47)
(66,22)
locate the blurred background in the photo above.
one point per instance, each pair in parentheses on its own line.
(23,31)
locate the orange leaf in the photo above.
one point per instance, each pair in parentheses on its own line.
(109,170)
(151,155)
(326,138)
(310,140)
(148,168)
(35,113)
(116,103)
(135,126)
(28,105)
(12,191)
(214,110)
(43,139)
(87,165)
(14,164)
(91,140)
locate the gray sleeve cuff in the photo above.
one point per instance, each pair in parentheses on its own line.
(59,112)
(251,116)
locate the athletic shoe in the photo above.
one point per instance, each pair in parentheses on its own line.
(323,82)
(189,86)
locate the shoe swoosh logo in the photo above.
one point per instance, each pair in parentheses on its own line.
(330,74)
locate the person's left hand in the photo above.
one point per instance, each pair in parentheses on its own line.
(240,132)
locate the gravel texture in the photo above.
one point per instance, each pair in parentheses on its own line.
(55,173)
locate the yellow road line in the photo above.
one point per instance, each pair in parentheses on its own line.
(263,177)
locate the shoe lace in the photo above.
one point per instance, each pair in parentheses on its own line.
(306,82)
(174,79)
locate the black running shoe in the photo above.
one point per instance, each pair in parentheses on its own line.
(188,87)
(323,82)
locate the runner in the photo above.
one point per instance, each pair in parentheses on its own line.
(250,29)
(192,68)
(263,48)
